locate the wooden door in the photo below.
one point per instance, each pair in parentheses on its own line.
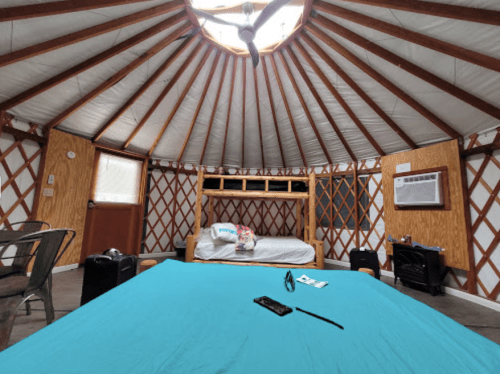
(112,223)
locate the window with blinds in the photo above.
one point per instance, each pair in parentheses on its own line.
(118,180)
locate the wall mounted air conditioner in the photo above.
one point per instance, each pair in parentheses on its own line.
(419,190)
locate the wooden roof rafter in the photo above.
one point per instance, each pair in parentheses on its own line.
(88,33)
(288,111)
(320,101)
(115,78)
(164,93)
(181,98)
(304,106)
(453,50)
(200,104)
(383,81)
(259,121)
(214,110)
(486,16)
(411,68)
(243,120)
(343,104)
(233,78)
(120,112)
(58,7)
(273,111)
(347,79)
(91,62)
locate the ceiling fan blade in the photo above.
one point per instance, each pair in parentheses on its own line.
(268,12)
(212,18)
(254,53)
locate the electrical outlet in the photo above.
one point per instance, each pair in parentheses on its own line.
(48,192)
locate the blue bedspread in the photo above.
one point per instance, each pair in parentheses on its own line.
(201,318)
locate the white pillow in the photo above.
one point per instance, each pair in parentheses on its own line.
(224,231)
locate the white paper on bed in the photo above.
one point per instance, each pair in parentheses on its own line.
(280,249)
(224,231)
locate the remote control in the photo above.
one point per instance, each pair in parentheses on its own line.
(273,305)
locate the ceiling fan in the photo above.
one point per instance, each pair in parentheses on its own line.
(247,31)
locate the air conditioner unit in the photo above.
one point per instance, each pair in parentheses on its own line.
(419,190)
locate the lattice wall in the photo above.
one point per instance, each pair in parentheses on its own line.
(483,177)
(342,234)
(19,164)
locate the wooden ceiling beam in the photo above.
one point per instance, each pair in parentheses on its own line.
(164,93)
(143,88)
(304,106)
(318,98)
(233,78)
(91,62)
(288,111)
(115,78)
(88,33)
(342,74)
(200,104)
(244,61)
(383,81)
(486,16)
(257,102)
(344,105)
(58,7)
(181,98)
(214,110)
(411,36)
(411,68)
(273,111)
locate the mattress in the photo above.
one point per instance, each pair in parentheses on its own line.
(179,318)
(276,249)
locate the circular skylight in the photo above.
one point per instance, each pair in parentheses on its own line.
(274,31)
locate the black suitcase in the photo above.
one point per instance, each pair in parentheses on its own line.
(102,273)
(365,259)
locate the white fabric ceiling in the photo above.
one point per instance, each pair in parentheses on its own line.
(464,118)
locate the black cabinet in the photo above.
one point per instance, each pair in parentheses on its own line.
(417,265)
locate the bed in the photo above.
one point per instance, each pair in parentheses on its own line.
(201,318)
(269,249)
(296,188)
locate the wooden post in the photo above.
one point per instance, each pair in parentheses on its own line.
(199,195)
(298,225)
(306,222)
(312,207)
(176,191)
(356,202)
(332,225)
(210,218)
(471,274)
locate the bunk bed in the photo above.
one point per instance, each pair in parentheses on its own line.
(257,188)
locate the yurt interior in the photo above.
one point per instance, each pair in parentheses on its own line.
(230,186)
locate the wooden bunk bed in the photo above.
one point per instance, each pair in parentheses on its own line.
(309,196)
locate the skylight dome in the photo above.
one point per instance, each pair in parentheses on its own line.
(274,31)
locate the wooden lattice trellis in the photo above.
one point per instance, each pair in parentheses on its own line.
(337,184)
(19,160)
(19,169)
(484,191)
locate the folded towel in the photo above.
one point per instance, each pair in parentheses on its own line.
(224,231)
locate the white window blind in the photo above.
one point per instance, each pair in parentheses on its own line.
(118,180)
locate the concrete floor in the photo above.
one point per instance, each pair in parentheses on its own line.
(67,288)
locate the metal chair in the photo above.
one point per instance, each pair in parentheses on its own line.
(23,253)
(15,290)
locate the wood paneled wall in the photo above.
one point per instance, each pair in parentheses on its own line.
(444,228)
(72,179)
